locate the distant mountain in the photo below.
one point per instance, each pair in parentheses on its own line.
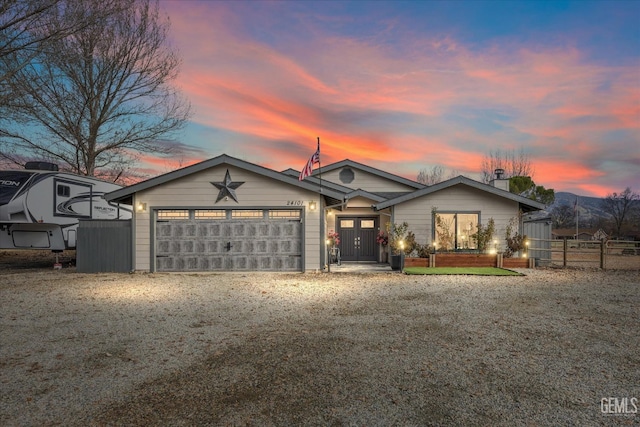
(589,208)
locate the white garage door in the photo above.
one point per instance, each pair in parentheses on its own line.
(228,240)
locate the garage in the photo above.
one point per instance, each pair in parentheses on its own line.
(228,240)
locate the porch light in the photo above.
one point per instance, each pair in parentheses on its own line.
(141,207)
(312,206)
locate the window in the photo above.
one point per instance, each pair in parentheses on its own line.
(346,176)
(346,223)
(282,214)
(64,190)
(247,214)
(456,230)
(367,223)
(173,214)
(210,214)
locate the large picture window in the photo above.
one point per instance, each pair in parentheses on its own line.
(455,230)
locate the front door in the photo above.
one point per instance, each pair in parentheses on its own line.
(358,238)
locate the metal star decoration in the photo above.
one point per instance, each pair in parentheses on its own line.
(227,188)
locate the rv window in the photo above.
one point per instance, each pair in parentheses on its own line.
(64,190)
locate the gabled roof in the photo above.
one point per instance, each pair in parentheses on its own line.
(362,193)
(527,204)
(370,170)
(316,180)
(223,159)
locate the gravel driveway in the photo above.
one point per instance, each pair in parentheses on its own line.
(317,349)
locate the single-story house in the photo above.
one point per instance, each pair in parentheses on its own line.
(583,234)
(229,214)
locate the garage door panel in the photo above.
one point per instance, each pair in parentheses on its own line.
(255,245)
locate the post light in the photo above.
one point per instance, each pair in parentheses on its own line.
(401,255)
(328,242)
(312,205)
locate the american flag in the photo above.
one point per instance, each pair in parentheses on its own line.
(308,168)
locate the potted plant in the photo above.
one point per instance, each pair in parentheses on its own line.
(333,240)
(383,240)
(397,234)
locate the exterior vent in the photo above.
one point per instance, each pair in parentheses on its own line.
(41,166)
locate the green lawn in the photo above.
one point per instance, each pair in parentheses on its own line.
(473,271)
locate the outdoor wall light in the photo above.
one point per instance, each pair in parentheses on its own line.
(141,207)
(312,206)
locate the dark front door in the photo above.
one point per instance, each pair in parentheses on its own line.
(358,238)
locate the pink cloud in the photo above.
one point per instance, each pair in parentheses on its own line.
(371,103)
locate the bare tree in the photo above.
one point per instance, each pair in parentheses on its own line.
(435,175)
(563,216)
(26,30)
(93,100)
(513,163)
(621,207)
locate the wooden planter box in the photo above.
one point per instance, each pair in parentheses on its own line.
(468,260)
(465,260)
(416,262)
(515,262)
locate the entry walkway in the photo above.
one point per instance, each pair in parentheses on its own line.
(362,267)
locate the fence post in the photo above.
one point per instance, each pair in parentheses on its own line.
(602,255)
(564,253)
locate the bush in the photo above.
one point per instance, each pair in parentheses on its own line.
(484,235)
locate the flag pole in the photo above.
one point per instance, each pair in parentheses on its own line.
(577,217)
(319,166)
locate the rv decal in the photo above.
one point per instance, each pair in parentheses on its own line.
(66,207)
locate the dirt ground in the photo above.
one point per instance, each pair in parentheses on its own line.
(34,259)
(315,349)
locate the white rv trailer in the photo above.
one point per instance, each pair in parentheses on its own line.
(40,207)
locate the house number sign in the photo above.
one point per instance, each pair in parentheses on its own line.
(295,203)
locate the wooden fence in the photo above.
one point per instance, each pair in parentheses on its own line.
(610,254)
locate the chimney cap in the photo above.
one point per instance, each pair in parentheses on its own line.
(499,173)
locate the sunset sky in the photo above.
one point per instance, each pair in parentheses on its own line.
(404,86)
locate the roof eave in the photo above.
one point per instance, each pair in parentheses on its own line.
(216,161)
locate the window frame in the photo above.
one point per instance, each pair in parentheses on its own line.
(461,241)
